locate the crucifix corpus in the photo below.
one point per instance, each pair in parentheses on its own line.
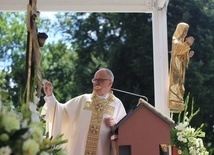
(35,40)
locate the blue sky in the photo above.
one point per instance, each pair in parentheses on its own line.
(50,15)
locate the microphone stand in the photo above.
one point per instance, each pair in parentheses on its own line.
(126,92)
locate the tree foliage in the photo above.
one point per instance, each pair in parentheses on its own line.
(13,45)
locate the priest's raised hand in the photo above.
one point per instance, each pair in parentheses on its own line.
(48,88)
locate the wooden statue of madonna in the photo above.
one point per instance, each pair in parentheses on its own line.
(35,41)
(180,58)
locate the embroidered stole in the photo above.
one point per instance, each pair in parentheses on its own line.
(98,108)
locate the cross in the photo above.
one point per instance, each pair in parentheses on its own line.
(35,40)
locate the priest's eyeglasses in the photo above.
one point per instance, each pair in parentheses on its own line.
(98,80)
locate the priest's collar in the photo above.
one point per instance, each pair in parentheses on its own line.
(109,96)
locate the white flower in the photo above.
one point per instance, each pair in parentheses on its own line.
(37,134)
(35,117)
(197,144)
(182,126)
(10,123)
(191,139)
(33,107)
(184,140)
(190,130)
(36,99)
(24,123)
(179,151)
(5,150)
(4,137)
(30,147)
(180,138)
(200,141)
(34,112)
(191,150)
(180,134)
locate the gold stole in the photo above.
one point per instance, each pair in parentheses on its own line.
(98,108)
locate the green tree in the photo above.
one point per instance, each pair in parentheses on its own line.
(13,45)
(132,57)
(58,67)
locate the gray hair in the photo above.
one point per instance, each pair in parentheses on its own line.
(109,73)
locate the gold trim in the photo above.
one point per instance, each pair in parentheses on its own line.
(98,108)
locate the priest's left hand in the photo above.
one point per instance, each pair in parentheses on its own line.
(110,121)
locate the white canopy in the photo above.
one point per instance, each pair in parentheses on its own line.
(86,5)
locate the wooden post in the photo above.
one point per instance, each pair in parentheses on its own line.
(29,53)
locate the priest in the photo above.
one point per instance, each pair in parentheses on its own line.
(86,120)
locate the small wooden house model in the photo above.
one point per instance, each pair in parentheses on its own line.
(143,131)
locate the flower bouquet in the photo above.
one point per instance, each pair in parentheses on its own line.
(19,135)
(188,140)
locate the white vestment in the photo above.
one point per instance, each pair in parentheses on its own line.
(72,119)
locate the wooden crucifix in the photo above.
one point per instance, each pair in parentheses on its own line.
(35,40)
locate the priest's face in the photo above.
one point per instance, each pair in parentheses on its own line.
(102,83)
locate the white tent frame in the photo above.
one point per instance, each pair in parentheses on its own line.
(158,8)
